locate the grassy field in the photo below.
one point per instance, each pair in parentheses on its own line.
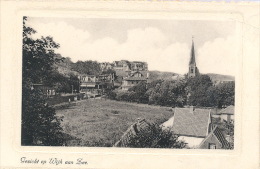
(101,123)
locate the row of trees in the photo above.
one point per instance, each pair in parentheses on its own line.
(196,91)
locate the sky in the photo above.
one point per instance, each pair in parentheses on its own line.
(164,44)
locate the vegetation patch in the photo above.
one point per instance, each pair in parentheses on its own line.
(107,128)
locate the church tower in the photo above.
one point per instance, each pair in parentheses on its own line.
(193,70)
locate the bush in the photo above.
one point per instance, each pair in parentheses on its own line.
(40,126)
(111,95)
(123,96)
(156,137)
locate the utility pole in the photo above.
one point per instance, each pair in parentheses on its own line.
(72,89)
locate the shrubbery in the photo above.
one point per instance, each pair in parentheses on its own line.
(155,137)
(40,126)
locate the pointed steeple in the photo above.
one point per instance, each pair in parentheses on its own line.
(192,57)
(193,70)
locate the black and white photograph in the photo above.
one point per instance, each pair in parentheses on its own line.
(128,83)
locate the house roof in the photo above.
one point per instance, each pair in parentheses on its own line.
(195,124)
(136,78)
(229,110)
(140,125)
(219,135)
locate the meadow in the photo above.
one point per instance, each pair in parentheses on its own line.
(100,123)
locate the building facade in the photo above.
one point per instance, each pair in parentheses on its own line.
(95,84)
(133,80)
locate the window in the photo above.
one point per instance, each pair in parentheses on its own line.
(191,70)
(212,146)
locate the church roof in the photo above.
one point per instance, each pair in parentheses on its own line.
(192,58)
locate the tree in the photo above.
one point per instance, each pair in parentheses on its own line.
(139,93)
(38,56)
(155,137)
(168,93)
(226,94)
(88,67)
(40,126)
(201,91)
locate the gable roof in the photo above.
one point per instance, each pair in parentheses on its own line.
(229,110)
(219,135)
(140,125)
(194,124)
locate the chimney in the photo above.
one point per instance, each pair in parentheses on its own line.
(138,120)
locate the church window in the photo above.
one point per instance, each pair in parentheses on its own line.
(191,70)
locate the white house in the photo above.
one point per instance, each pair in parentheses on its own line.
(193,126)
(134,79)
(227,113)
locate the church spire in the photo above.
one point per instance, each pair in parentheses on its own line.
(193,70)
(192,58)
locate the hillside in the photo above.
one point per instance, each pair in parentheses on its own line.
(156,75)
(218,77)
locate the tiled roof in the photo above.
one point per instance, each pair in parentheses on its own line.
(217,132)
(194,124)
(228,110)
(135,128)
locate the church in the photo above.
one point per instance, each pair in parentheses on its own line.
(193,70)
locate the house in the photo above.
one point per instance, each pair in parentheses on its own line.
(139,66)
(227,113)
(123,65)
(192,125)
(139,126)
(93,84)
(134,79)
(214,140)
(105,66)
